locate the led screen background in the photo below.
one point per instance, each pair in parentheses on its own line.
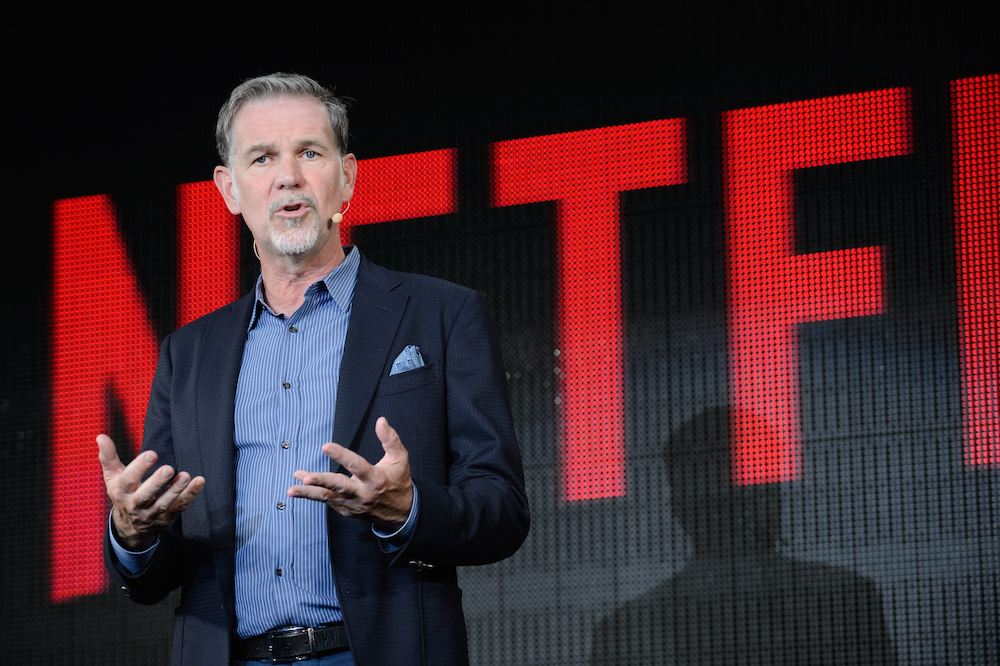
(877,507)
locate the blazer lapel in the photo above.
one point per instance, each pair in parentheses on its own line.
(376,311)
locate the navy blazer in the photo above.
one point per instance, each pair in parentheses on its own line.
(453,417)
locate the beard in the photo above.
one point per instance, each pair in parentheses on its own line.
(294,236)
(297,237)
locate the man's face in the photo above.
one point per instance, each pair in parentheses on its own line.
(287,178)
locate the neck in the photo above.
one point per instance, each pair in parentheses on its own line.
(287,277)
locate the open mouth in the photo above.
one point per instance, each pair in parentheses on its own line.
(292,211)
(292,207)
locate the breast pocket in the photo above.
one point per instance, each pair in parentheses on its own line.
(410,380)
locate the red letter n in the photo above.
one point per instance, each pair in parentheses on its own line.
(771,288)
(103,353)
(583,172)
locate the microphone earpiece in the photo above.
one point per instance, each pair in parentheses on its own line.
(339,217)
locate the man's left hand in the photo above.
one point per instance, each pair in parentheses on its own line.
(381,493)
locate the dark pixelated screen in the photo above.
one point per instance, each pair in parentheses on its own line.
(748,296)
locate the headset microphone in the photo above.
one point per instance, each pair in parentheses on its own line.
(339,217)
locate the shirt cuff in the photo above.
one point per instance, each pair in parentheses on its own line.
(132,562)
(396,540)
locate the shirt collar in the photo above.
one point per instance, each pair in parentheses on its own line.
(339,283)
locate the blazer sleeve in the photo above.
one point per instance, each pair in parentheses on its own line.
(481,514)
(165,571)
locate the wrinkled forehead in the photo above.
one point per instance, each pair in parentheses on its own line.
(279,119)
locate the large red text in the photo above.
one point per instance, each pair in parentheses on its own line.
(104,346)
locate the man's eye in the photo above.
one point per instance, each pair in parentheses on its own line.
(310,154)
(261,160)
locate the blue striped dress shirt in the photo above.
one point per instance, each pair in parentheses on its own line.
(285,404)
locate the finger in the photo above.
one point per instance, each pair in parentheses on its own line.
(178,495)
(351,461)
(107,453)
(318,493)
(170,494)
(131,476)
(315,493)
(337,484)
(345,506)
(192,490)
(146,494)
(391,443)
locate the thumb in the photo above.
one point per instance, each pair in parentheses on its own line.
(389,437)
(107,453)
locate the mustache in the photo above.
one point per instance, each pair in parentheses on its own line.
(292,200)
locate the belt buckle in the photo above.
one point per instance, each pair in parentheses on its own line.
(289,632)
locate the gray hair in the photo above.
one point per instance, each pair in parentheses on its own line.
(271,86)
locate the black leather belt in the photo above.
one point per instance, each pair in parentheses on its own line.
(292,644)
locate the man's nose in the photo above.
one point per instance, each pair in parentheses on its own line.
(289,174)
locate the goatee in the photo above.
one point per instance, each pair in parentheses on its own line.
(294,235)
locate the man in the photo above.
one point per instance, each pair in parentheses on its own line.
(263,521)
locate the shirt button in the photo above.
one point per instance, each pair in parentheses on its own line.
(293,329)
(285,445)
(286,385)
(281,506)
(278,572)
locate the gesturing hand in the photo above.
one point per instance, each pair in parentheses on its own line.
(381,493)
(143,509)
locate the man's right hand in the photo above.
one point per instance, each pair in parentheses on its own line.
(142,509)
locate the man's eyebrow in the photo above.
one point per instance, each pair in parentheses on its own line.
(309,142)
(257,148)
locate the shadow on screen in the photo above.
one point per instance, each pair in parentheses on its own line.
(738,600)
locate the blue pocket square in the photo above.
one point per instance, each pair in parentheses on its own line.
(408,359)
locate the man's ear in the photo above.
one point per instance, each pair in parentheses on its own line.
(224,182)
(350,166)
